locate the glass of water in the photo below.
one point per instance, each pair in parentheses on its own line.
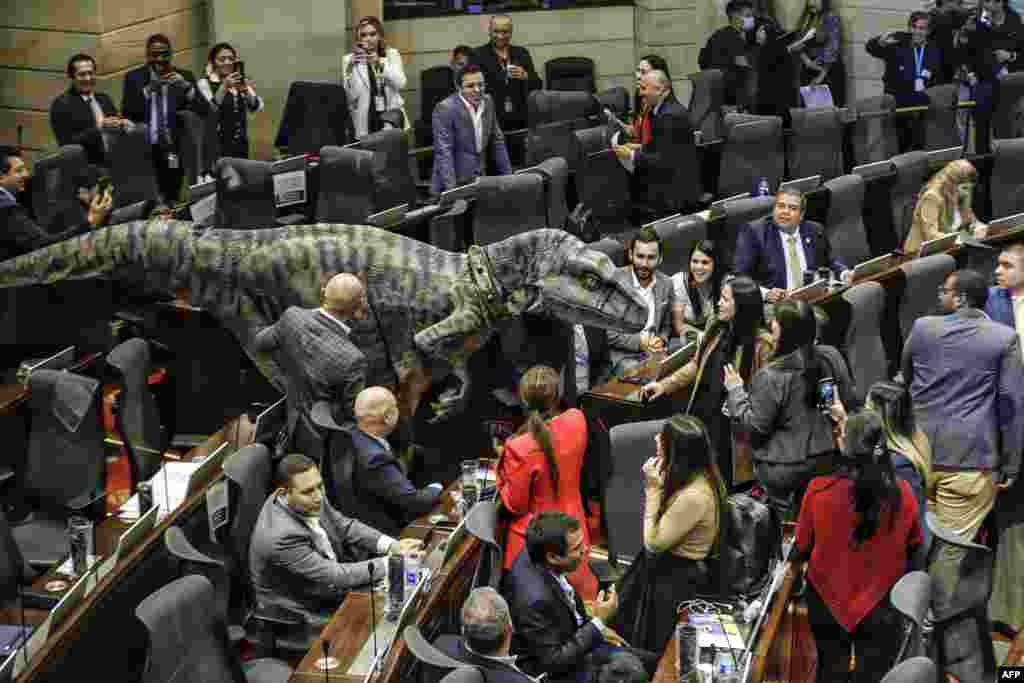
(470,482)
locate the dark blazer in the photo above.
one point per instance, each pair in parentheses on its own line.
(19,234)
(493,670)
(133,101)
(622,344)
(381,485)
(500,87)
(658,164)
(547,638)
(456,159)
(73,123)
(760,255)
(999,306)
(898,79)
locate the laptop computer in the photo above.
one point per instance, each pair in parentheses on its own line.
(388,217)
(1005,224)
(802,185)
(874,266)
(940,245)
(873,170)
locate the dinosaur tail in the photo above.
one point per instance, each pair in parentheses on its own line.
(158,250)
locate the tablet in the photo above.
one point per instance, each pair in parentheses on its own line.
(802,185)
(676,360)
(874,266)
(940,245)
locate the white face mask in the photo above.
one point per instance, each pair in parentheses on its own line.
(748,23)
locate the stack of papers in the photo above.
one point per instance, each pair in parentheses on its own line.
(719,631)
(169,486)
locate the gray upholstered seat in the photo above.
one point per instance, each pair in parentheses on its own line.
(752,151)
(482,523)
(873,134)
(188,641)
(570,73)
(347,186)
(844,225)
(587,141)
(508,205)
(623,499)
(816,145)
(924,276)
(706,99)
(245,194)
(550,106)
(53,183)
(940,124)
(130,155)
(1008,118)
(138,417)
(864,349)
(603,188)
(678,235)
(395,183)
(737,214)
(555,174)
(916,670)
(1007,190)
(911,173)
(912,597)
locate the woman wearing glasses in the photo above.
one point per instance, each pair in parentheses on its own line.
(373,78)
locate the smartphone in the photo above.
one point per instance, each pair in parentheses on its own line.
(240,68)
(104,184)
(826,393)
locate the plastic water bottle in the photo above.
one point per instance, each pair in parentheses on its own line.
(396,587)
(763,188)
(412,573)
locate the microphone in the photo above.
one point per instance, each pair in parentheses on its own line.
(326,645)
(21,604)
(373,611)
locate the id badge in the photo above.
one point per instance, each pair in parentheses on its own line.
(918,85)
(508,106)
(379,103)
(172,160)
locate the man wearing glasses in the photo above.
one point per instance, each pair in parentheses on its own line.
(468,141)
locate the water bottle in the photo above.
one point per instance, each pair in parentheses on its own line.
(763,188)
(412,573)
(396,587)
(725,665)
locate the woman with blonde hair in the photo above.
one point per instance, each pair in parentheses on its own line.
(373,78)
(945,206)
(540,467)
(822,56)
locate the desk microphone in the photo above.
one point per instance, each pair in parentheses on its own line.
(373,610)
(21,602)
(615,122)
(326,645)
(21,136)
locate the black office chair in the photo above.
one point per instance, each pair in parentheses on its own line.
(570,73)
(130,155)
(193,138)
(916,670)
(602,186)
(450,230)
(315,115)
(549,140)
(136,414)
(912,597)
(623,500)
(508,205)
(555,174)
(189,560)
(844,226)
(66,466)
(678,235)
(395,182)
(707,96)
(482,524)
(924,277)
(816,145)
(911,173)
(425,652)
(737,214)
(941,129)
(1008,118)
(587,141)
(188,641)
(1006,189)
(16,574)
(436,83)
(53,184)
(873,133)
(864,349)
(348,186)
(551,106)
(245,194)
(616,99)
(752,151)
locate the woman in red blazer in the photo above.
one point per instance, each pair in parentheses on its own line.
(539,468)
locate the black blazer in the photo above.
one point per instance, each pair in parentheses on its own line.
(759,252)
(899,68)
(547,638)
(133,102)
(73,123)
(659,165)
(19,234)
(499,86)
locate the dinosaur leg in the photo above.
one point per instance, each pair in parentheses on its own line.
(449,340)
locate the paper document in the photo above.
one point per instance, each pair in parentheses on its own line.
(169,486)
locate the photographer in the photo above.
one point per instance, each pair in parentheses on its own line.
(373,78)
(231,97)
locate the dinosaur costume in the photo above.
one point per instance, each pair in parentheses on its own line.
(431,307)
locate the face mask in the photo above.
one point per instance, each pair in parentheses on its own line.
(748,23)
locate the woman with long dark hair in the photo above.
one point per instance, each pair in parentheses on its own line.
(231,98)
(539,468)
(684,494)
(698,288)
(859,530)
(738,335)
(789,432)
(822,57)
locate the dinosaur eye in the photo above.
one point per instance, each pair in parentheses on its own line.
(590,282)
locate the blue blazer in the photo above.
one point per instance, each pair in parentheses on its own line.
(456,160)
(900,68)
(999,306)
(760,255)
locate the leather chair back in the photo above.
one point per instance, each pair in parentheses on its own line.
(844,226)
(602,186)
(915,670)
(864,349)
(347,186)
(138,418)
(508,205)
(394,179)
(482,523)
(752,151)
(570,73)
(251,479)
(706,100)
(315,115)
(737,214)
(911,174)
(1008,119)
(873,133)
(53,183)
(193,138)
(1006,188)
(436,83)
(555,174)
(623,499)
(131,167)
(613,249)
(924,276)
(549,106)
(912,597)
(245,194)
(616,99)
(587,141)
(678,235)
(549,140)
(940,123)
(816,145)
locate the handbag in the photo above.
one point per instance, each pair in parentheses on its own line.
(816,96)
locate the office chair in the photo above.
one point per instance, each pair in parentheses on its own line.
(616,99)
(924,276)
(245,194)
(551,106)
(587,141)
(863,344)
(348,187)
(752,151)
(873,134)
(136,415)
(816,145)
(941,129)
(1008,118)
(482,524)
(193,144)
(188,641)
(911,173)
(844,225)
(315,115)
(394,180)
(130,155)
(570,73)
(706,99)
(554,173)
(916,670)
(53,184)
(678,235)
(912,597)
(622,502)
(737,214)
(424,652)
(508,205)
(1006,190)
(602,186)
(66,466)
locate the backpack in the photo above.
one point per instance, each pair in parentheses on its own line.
(749,543)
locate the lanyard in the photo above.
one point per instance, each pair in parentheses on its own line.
(158,114)
(918,61)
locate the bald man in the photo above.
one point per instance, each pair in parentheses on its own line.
(319,361)
(387,499)
(508,72)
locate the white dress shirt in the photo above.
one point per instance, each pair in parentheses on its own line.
(477,115)
(648,295)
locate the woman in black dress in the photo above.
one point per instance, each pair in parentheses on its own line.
(231,97)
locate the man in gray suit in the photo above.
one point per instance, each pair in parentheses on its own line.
(468,141)
(629,350)
(313,348)
(305,555)
(965,374)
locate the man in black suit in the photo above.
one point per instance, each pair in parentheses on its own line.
(153,95)
(727,49)
(776,251)
(658,164)
(19,234)
(78,115)
(508,72)
(554,633)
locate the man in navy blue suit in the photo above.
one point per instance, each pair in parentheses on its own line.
(776,251)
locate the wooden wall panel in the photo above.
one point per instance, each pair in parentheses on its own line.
(50,50)
(126,48)
(120,13)
(73,16)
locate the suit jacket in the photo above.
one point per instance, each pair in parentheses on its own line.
(320,363)
(659,164)
(900,68)
(73,122)
(493,670)
(547,637)
(999,306)
(760,255)
(621,344)
(133,101)
(499,87)
(382,486)
(288,569)
(964,373)
(456,159)
(19,234)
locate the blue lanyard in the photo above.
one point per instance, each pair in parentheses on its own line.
(918,61)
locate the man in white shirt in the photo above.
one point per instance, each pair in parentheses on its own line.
(1006,301)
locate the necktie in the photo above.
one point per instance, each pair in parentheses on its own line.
(97,112)
(793,262)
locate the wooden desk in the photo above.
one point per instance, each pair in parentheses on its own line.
(101,634)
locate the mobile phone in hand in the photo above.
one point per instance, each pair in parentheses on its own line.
(240,68)
(826,393)
(104,184)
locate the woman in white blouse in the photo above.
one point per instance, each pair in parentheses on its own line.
(373,78)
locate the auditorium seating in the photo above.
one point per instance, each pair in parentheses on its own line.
(752,151)
(131,167)
(550,106)
(912,597)
(1005,186)
(1008,118)
(245,194)
(623,499)
(706,99)
(508,205)
(53,184)
(393,176)
(844,226)
(737,214)
(347,186)
(570,73)
(911,173)
(555,174)
(873,134)
(136,415)
(602,186)
(678,235)
(864,349)
(924,276)
(940,123)
(315,115)
(816,144)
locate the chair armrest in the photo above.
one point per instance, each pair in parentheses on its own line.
(80,504)
(179,546)
(606,571)
(445,232)
(274,615)
(6,475)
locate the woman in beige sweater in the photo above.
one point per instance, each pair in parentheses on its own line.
(684,494)
(944,206)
